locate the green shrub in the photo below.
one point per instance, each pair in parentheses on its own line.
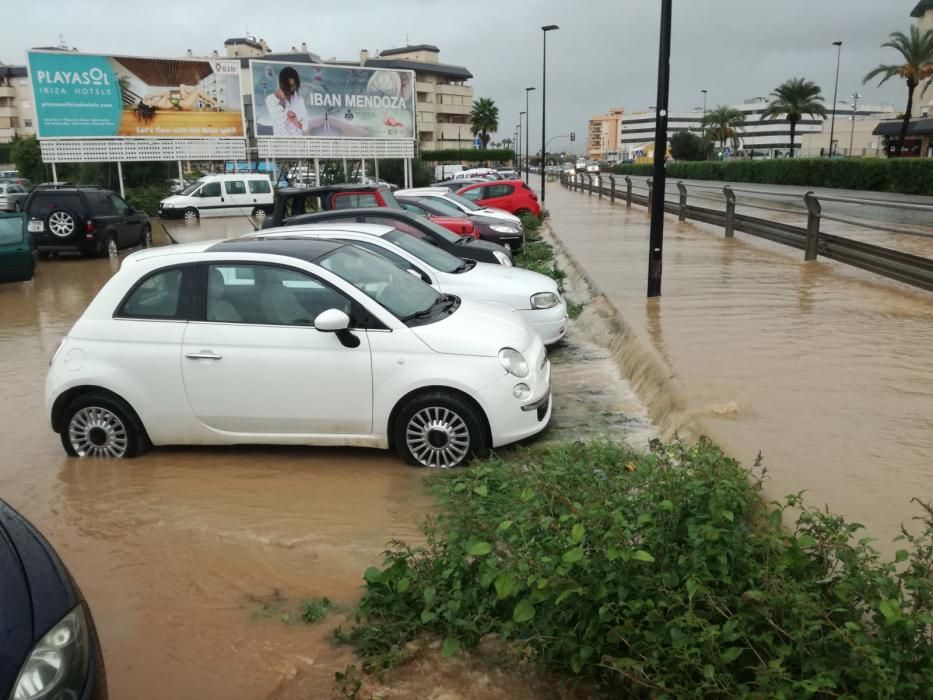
(146,198)
(656,575)
(632,169)
(471,155)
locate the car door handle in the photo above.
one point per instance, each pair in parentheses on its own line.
(204,355)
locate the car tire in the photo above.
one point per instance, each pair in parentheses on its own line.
(61,223)
(439,429)
(259,213)
(108,247)
(191,216)
(145,240)
(100,425)
(17,207)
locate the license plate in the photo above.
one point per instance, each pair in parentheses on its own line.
(36,227)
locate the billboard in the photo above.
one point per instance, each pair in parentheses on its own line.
(303,100)
(80,96)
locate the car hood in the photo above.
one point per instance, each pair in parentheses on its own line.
(510,285)
(477,328)
(486,220)
(500,214)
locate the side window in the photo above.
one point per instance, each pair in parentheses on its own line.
(103,205)
(260,187)
(409,206)
(354,201)
(159,296)
(267,295)
(211,189)
(119,205)
(235,187)
(500,190)
(474,194)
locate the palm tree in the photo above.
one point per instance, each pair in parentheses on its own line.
(792,100)
(484,119)
(917,53)
(723,124)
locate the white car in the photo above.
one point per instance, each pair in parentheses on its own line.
(298,342)
(462,203)
(535,296)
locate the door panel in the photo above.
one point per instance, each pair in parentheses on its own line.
(237,203)
(210,200)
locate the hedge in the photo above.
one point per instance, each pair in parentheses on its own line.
(901,175)
(471,155)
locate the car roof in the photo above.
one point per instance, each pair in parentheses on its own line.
(325,227)
(306,249)
(388,212)
(343,187)
(416,191)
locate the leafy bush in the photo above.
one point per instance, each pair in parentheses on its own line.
(656,575)
(686,145)
(471,155)
(146,198)
(632,169)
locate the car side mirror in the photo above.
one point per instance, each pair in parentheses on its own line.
(332,321)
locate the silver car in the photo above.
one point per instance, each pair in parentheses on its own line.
(12,196)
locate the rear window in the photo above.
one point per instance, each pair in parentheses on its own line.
(354,201)
(46,202)
(11,230)
(260,186)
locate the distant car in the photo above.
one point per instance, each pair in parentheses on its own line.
(17,254)
(461,203)
(454,185)
(299,342)
(50,647)
(176,185)
(414,225)
(379,182)
(488,173)
(12,196)
(513,196)
(490,229)
(445,172)
(535,296)
(292,201)
(82,219)
(592,167)
(508,174)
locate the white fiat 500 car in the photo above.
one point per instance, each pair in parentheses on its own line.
(461,203)
(292,342)
(535,296)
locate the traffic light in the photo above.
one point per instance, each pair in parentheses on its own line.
(573,136)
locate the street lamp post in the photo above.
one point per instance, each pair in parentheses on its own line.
(527,132)
(855,98)
(545,29)
(832,128)
(656,236)
(520,115)
(704,103)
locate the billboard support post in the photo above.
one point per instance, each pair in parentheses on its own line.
(54,173)
(120,177)
(376,166)
(317,172)
(362,169)
(346,173)
(181,173)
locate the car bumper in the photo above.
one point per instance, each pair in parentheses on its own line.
(511,420)
(172,213)
(550,324)
(17,267)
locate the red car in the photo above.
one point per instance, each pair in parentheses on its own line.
(513,196)
(293,201)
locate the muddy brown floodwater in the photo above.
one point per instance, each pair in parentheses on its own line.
(195,561)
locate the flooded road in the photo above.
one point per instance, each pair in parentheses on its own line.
(826,369)
(196,562)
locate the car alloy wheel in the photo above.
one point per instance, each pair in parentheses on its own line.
(437,437)
(112,249)
(94,431)
(259,213)
(61,224)
(146,241)
(191,216)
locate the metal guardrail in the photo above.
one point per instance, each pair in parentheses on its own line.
(904,267)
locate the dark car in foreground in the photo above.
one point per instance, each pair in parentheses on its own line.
(493,230)
(48,643)
(17,255)
(415,225)
(84,219)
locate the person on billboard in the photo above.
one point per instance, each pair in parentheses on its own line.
(287,110)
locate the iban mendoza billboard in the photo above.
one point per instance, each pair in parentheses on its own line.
(303,100)
(95,96)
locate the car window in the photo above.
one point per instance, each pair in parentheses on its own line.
(211,189)
(44,203)
(499,191)
(120,206)
(159,296)
(235,187)
(11,230)
(414,208)
(463,201)
(354,201)
(301,204)
(103,206)
(260,186)
(474,194)
(435,257)
(442,208)
(269,295)
(396,260)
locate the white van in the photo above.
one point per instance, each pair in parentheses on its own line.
(472,173)
(446,172)
(233,194)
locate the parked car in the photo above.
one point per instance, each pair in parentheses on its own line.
(379,182)
(592,166)
(413,225)
(287,343)
(17,253)
(50,646)
(454,185)
(508,174)
(535,296)
(489,229)
(482,173)
(513,196)
(294,201)
(176,185)
(84,219)
(236,194)
(12,196)
(445,172)
(461,203)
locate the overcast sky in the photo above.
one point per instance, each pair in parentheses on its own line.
(604,55)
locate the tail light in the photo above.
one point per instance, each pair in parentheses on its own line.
(89,228)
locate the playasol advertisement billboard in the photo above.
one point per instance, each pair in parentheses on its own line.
(94,96)
(304,100)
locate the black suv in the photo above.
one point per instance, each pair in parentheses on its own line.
(89,220)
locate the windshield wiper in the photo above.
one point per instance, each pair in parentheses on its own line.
(465,240)
(464,266)
(444,300)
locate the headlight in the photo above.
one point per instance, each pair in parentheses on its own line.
(503,229)
(57,665)
(544,300)
(166,205)
(513,362)
(502,258)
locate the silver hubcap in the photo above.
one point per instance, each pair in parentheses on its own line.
(437,437)
(61,224)
(191,217)
(147,238)
(96,432)
(112,249)
(259,213)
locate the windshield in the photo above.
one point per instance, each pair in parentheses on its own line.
(11,229)
(439,206)
(192,187)
(400,293)
(433,256)
(437,229)
(464,201)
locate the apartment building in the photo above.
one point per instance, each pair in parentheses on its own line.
(17,115)
(602,135)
